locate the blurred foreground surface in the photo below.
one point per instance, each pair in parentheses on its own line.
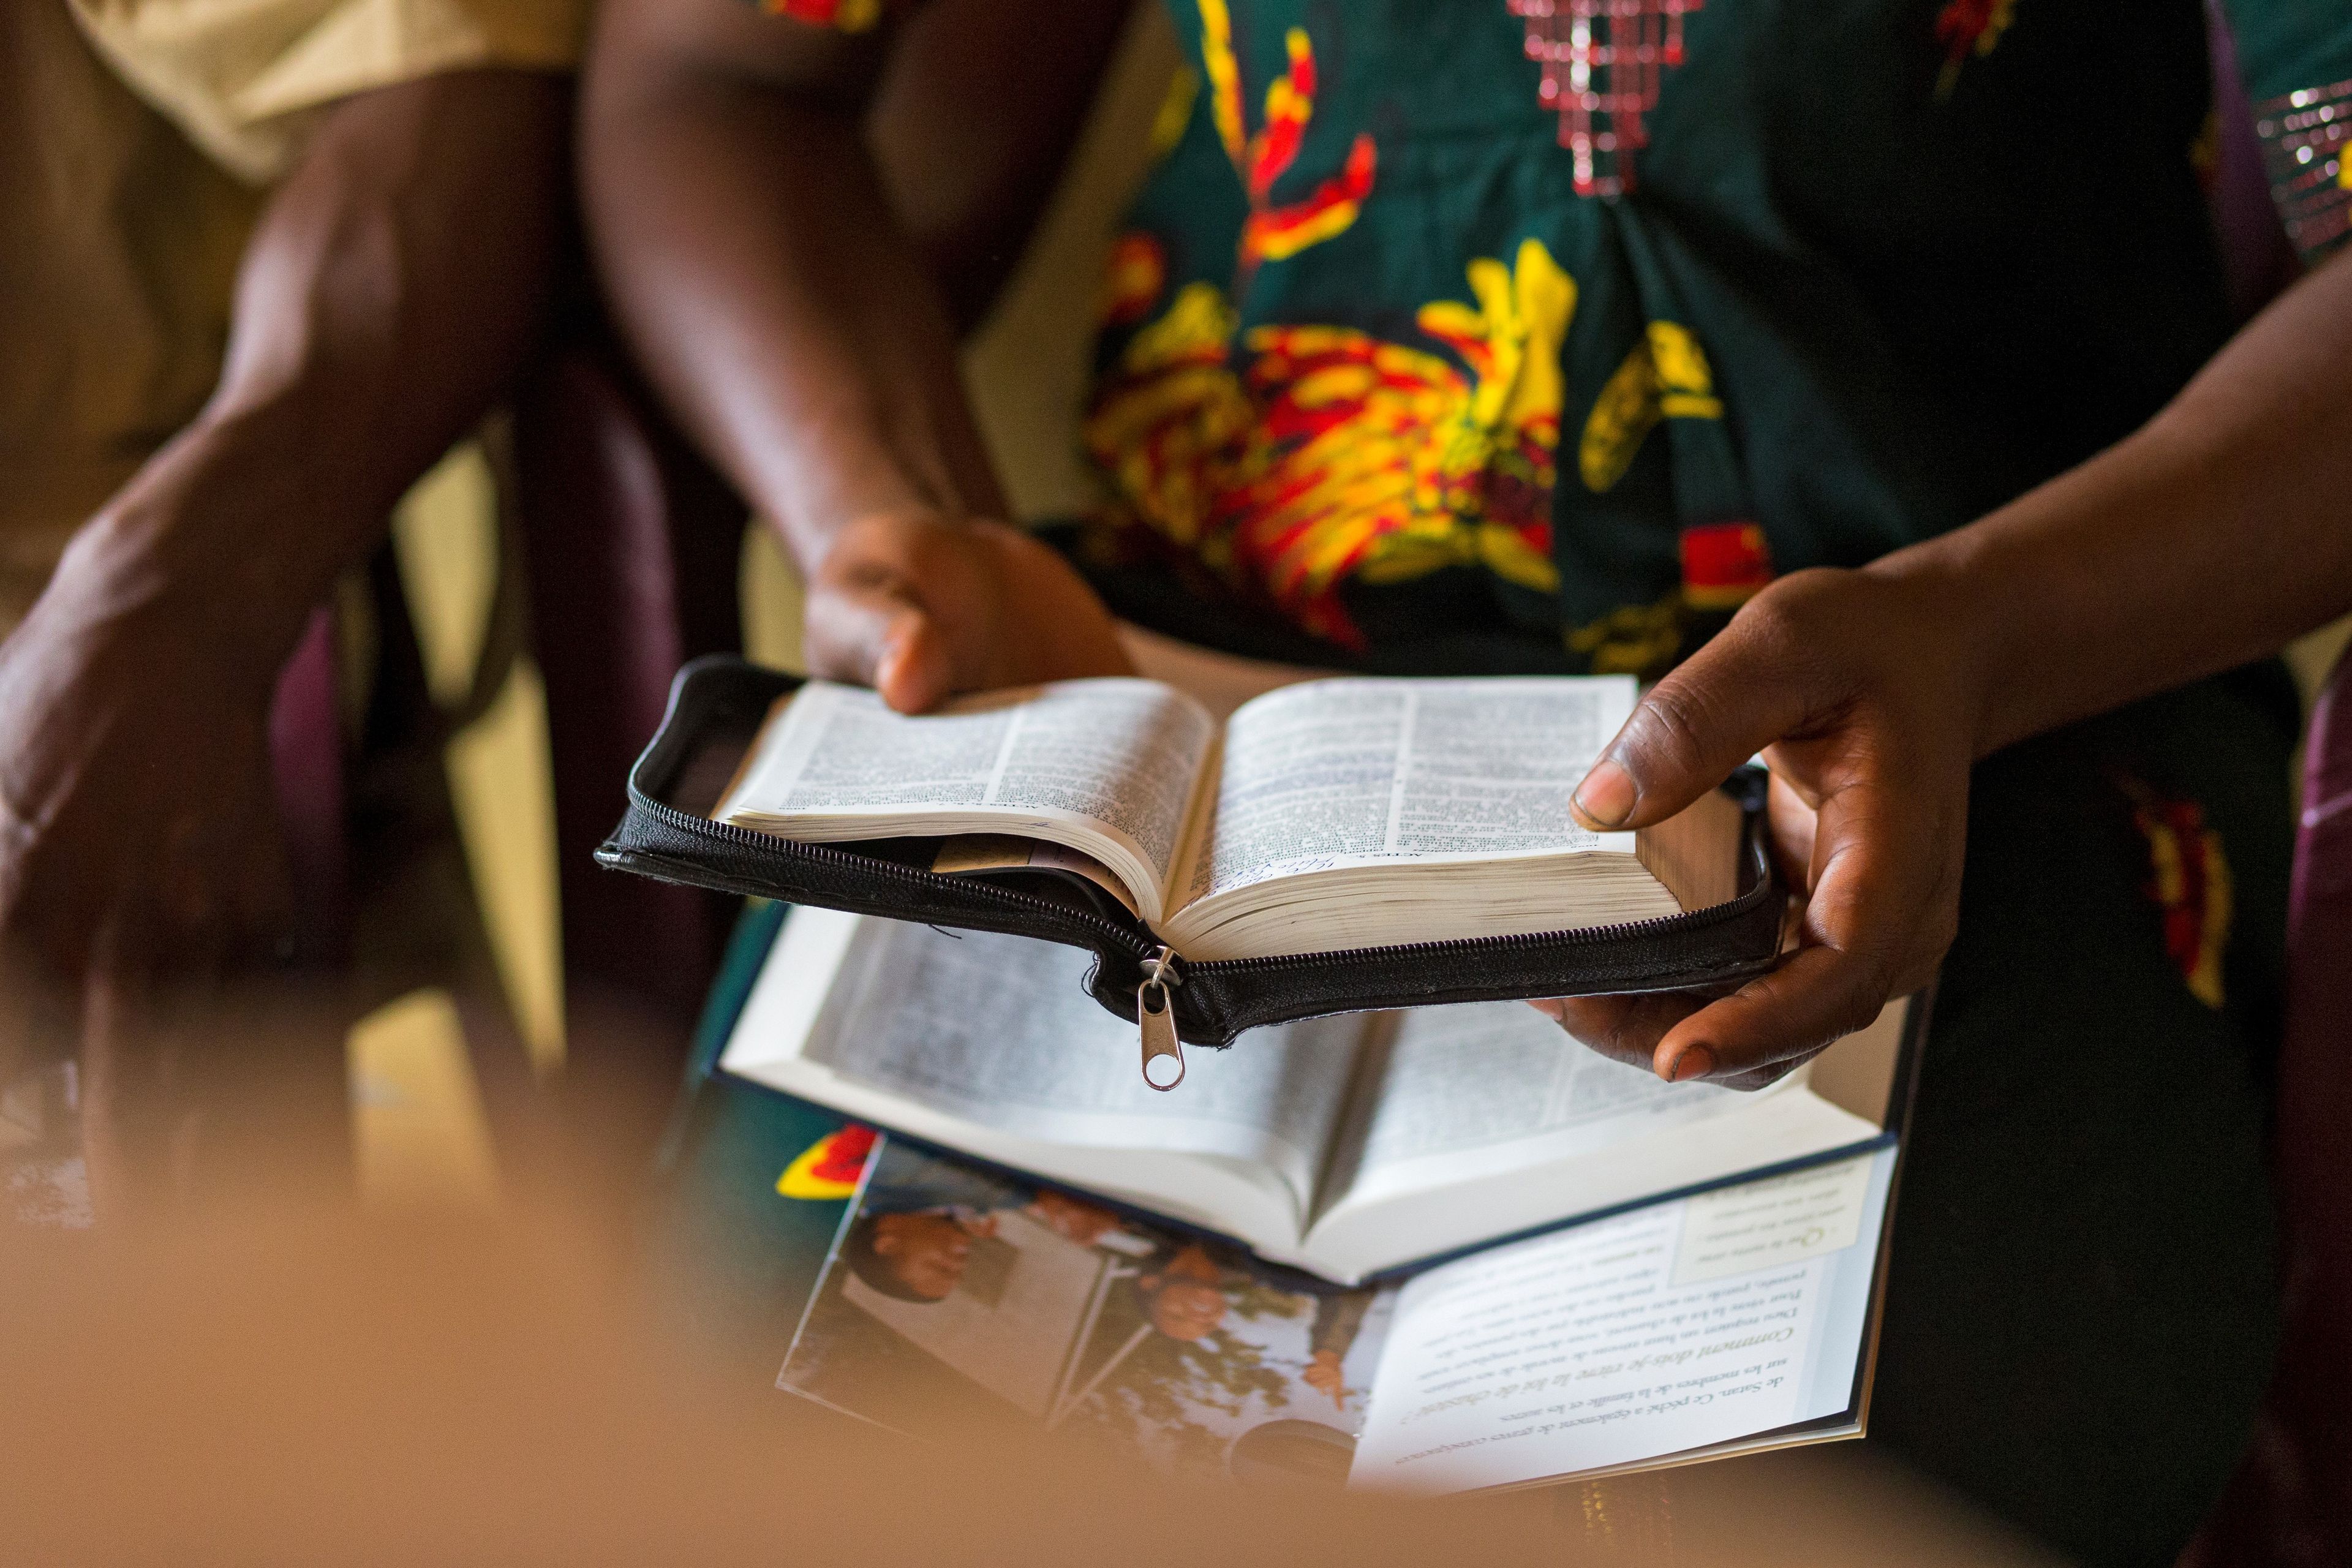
(271,1369)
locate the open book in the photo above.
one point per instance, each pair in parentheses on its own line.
(957,1302)
(1347,1145)
(1333,815)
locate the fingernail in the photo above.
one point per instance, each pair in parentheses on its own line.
(1606,796)
(1697,1061)
(899,679)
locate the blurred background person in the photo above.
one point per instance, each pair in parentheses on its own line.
(262,265)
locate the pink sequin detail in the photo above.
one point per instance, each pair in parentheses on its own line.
(1604,63)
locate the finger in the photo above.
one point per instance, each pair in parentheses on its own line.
(915,672)
(875,632)
(1764,1077)
(1729,700)
(1789,780)
(1880,916)
(1626,1028)
(1817,995)
(1795,823)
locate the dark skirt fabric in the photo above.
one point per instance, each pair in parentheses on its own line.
(2082,1309)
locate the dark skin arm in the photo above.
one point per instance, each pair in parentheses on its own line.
(393,286)
(2215,535)
(793,226)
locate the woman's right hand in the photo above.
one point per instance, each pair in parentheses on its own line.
(1865,692)
(921,606)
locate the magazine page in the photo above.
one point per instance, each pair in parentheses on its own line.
(1667,1329)
(956,1302)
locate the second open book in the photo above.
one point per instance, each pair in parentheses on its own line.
(1348,1146)
(1333,815)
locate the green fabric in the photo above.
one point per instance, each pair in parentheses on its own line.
(2286,47)
(2294,57)
(1918,292)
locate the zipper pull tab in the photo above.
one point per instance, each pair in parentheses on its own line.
(1155,1016)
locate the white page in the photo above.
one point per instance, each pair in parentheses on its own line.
(1226,1185)
(1453,1079)
(1492,763)
(1365,771)
(1123,753)
(1667,1329)
(1486,1120)
(1000,1030)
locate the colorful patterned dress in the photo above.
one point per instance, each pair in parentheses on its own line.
(1387,380)
(1378,386)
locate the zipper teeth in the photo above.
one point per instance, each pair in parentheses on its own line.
(768,843)
(1582,936)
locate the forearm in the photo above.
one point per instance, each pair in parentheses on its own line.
(752,258)
(2217,534)
(392,288)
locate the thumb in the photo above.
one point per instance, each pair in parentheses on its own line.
(1723,705)
(878,633)
(915,673)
